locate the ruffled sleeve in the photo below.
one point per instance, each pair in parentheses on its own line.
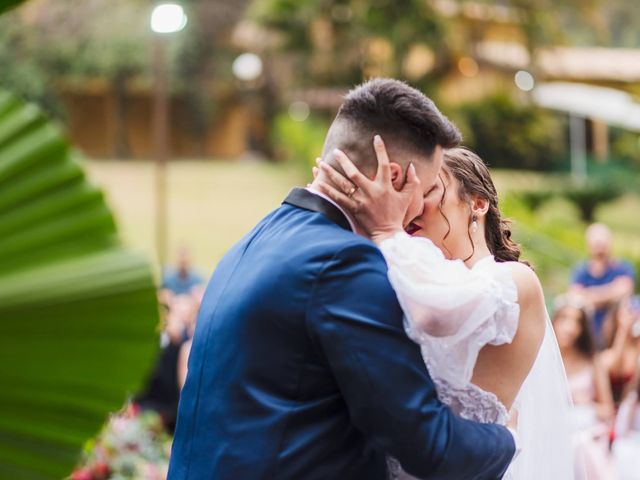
(450,310)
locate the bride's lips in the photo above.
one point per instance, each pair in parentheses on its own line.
(412,228)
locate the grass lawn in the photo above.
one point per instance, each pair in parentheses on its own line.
(213,204)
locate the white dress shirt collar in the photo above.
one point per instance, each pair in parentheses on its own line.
(322,195)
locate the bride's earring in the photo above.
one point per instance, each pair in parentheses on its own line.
(474,224)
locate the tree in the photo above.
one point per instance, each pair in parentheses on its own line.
(204,58)
(507,134)
(587,198)
(44,45)
(338,42)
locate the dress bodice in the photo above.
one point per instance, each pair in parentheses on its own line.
(582,385)
(452,312)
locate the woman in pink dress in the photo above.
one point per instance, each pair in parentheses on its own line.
(593,404)
(626,446)
(621,357)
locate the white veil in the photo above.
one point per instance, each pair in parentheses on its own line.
(544,429)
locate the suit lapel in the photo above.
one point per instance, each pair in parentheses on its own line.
(302,198)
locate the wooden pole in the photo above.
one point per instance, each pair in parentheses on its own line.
(161,147)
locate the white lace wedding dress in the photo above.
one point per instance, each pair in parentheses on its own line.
(452,312)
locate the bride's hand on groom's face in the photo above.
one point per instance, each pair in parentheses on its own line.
(379,208)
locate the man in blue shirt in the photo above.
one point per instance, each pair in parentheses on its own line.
(181,280)
(602,280)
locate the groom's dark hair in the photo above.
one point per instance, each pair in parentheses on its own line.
(408,121)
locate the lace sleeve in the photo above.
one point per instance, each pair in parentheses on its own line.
(450,310)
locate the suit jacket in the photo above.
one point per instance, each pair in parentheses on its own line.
(300,367)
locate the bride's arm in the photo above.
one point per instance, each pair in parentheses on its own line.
(440,297)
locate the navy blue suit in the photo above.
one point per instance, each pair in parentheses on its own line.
(301,369)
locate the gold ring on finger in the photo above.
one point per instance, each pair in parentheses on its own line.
(352,191)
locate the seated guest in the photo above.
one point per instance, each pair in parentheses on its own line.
(626,447)
(183,362)
(602,280)
(183,278)
(621,358)
(593,405)
(197,294)
(162,390)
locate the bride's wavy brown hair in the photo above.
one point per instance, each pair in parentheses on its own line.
(474,180)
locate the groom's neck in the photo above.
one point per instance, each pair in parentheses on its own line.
(355,226)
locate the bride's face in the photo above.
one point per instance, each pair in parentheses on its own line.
(445,219)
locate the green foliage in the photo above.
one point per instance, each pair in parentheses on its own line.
(105,47)
(576,22)
(299,142)
(534,199)
(551,239)
(589,196)
(613,23)
(552,235)
(625,145)
(77,312)
(196,68)
(7,4)
(20,73)
(331,37)
(507,134)
(107,39)
(603,186)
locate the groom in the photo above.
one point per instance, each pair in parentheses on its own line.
(300,366)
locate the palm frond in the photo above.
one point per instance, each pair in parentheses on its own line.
(77,311)
(7,4)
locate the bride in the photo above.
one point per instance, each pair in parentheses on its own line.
(474,308)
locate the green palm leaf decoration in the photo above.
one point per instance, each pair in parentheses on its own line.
(77,311)
(7,4)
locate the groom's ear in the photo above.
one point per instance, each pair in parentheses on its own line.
(397,176)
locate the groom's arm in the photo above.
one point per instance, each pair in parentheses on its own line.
(356,323)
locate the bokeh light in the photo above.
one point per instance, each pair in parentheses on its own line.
(524,81)
(168,18)
(468,67)
(247,67)
(299,111)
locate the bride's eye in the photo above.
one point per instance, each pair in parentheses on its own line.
(431,190)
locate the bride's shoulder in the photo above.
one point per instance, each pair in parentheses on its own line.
(533,312)
(527,283)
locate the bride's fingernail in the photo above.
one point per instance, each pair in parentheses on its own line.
(318,161)
(377,140)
